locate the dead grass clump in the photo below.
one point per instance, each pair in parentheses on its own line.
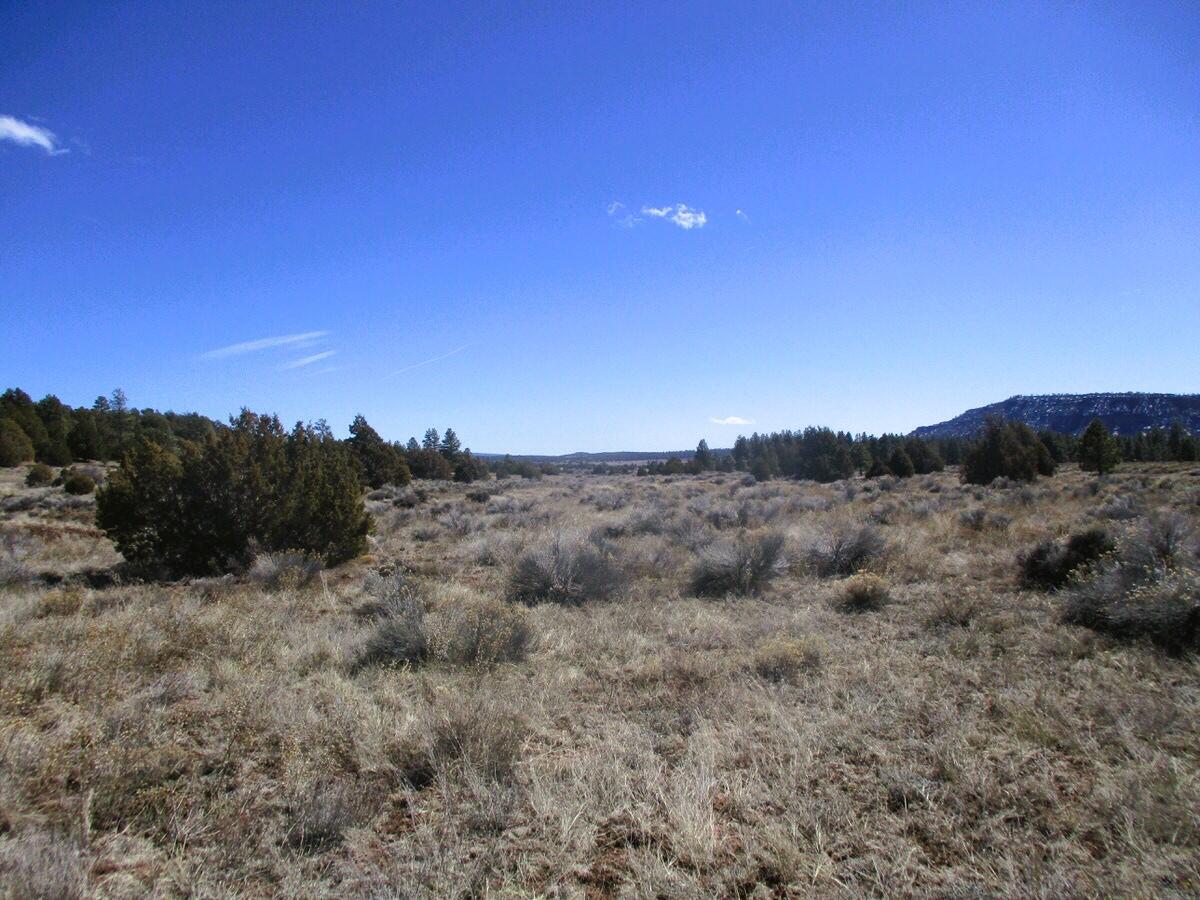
(473,630)
(13,569)
(408,498)
(785,660)
(40,866)
(1119,508)
(475,732)
(563,568)
(979,519)
(844,549)
(398,609)
(1170,537)
(321,813)
(60,603)
(286,570)
(495,548)
(863,593)
(744,566)
(1050,565)
(953,610)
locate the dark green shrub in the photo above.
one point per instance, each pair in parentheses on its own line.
(1050,565)
(15,445)
(78,483)
(203,510)
(901,464)
(39,475)
(1007,450)
(470,468)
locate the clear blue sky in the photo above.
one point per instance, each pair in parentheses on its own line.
(870,219)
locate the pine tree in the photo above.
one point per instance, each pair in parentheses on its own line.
(703,457)
(450,445)
(1098,451)
(432,440)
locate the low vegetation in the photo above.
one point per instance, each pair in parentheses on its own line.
(603,685)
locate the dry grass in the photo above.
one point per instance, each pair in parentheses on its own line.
(397,728)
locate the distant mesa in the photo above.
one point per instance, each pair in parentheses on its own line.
(1130,413)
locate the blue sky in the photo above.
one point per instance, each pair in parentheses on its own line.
(558,229)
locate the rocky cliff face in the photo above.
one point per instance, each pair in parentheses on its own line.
(1071,413)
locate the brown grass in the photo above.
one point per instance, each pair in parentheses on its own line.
(222,738)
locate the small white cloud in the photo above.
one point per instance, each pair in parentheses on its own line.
(688,219)
(283,340)
(26,135)
(615,207)
(308,360)
(741,215)
(681,214)
(732,420)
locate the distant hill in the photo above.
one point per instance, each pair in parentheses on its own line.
(1070,413)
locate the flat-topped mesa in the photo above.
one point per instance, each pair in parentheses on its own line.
(1123,413)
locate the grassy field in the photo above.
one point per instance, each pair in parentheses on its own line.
(400,726)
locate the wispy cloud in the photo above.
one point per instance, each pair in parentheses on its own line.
(26,135)
(680,214)
(732,420)
(283,340)
(308,360)
(741,215)
(426,362)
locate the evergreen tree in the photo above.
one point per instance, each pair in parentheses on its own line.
(16,405)
(84,438)
(432,440)
(703,457)
(741,453)
(15,446)
(379,462)
(204,509)
(450,446)
(1098,451)
(1008,449)
(900,464)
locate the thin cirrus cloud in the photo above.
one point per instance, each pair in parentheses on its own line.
(283,340)
(25,135)
(732,420)
(679,214)
(430,361)
(307,360)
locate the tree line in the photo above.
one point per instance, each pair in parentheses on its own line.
(1002,449)
(51,432)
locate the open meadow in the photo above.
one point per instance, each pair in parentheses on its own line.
(615,686)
